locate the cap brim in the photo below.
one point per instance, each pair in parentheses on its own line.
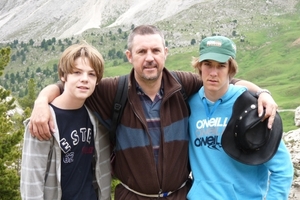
(266,152)
(214,56)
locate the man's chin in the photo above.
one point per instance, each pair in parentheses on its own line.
(150,77)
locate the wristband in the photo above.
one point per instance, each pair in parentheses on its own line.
(263,91)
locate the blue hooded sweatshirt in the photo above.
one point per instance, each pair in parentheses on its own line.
(216,176)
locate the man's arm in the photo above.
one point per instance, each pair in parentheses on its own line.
(265,100)
(41,118)
(192,84)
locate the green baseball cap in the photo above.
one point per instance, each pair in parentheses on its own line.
(218,48)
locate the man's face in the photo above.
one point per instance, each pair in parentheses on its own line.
(148,57)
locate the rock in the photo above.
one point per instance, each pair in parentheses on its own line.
(292,141)
(297,116)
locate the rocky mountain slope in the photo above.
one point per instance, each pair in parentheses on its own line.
(44,19)
(292,141)
(25,19)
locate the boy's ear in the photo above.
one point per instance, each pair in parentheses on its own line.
(62,79)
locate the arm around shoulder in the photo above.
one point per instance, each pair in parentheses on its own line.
(41,118)
(191,82)
(251,86)
(50,92)
(265,101)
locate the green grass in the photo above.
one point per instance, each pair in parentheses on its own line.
(275,64)
(288,120)
(117,70)
(267,57)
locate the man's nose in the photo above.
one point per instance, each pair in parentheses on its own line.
(149,56)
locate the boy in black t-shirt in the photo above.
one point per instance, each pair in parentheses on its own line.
(66,166)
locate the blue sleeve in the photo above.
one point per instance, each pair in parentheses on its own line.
(281,174)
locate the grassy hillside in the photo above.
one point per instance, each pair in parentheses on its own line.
(267,52)
(270,58)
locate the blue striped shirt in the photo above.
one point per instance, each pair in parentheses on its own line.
(152,115)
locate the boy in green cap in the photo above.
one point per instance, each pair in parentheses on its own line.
(259,174)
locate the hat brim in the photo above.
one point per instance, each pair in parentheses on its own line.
(264,153)
(214,56)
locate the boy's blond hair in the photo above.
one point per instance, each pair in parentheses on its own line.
(233,67)
(66,63)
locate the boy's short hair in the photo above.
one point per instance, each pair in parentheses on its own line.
(233,67)
(66,62)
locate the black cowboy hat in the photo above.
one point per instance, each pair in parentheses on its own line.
(246,138)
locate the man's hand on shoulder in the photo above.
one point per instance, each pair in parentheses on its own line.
(41,122)
(265,100)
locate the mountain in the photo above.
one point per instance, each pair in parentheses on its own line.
(44,19)
(29,19)
(266,34)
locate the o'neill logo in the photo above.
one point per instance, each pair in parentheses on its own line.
(214,43)
(209,132)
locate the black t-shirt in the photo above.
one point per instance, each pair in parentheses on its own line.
(77,141)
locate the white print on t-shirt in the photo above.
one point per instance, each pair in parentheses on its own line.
(69,157)
(65,147)
(86,136)
(212,122)
(208,132)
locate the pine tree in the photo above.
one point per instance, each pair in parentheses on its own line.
(28,100)
(4,58)
(10,137)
